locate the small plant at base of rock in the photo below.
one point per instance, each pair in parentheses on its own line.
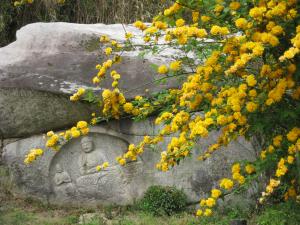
(160,200)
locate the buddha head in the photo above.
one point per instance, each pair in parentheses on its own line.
(87,144)
(58,168)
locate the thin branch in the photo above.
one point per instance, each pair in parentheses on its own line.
(156,80)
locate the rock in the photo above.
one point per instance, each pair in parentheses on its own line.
(38,72)
(50,61)
(25,112)
(68,177)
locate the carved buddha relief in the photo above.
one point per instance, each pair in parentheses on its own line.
(64,187)
(92,183)
(89,157)
(79,180)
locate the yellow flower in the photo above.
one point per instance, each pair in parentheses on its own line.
(175,66)
(121,161)
(96,80)
(234,5)
(98,168)
(241,23)
(199,212)
(160,25)
(104,38)
(226,183)
(277,30)
(218,8)
(115,84)
(128,35)
(210,202)
(207,212)
(215,193)
(75,133)
(251,81)
(180,22)
(163,69)
(290,159)
(277,140)
(202,202)
(138,98)
(85,131)
(205,18)
(82,124)
(50,133)
(39,151)
(140,25)
(257,12)
(236,168)
(251,106)
(105,165)
(216,30)
(52,141)
(108,51)
(271,149)
(221,120)
(195,16)
(293,135)
(250,169)
(128,107)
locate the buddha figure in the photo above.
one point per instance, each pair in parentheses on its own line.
(90,157)
(92,183)
(63,183)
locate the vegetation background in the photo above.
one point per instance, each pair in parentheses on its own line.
(74,11)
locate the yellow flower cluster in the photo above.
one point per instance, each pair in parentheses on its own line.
(21,2)
(32,155)
(217,30)
(77,95)
(226,183)
(113,100)
(54,140)
(173,9)
(103,166)
(104,39)
(241,23)
(269,189)
(133,151)
(292,51)
(140,25)
(163,69)
(207,204)
(236,175)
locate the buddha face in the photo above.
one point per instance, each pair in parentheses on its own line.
(59,169)
(87,144)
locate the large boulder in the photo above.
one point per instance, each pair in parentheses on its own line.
(69,177)
(50,61)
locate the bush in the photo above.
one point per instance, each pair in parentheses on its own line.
(160,200)
(283,213)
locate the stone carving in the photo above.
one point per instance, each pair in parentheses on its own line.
(89,157)
(63,183)
(69,177)
(92,183)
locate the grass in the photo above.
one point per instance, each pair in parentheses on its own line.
(29,212)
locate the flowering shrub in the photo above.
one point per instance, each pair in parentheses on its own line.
(240,66)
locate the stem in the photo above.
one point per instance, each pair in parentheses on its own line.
(156,80)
